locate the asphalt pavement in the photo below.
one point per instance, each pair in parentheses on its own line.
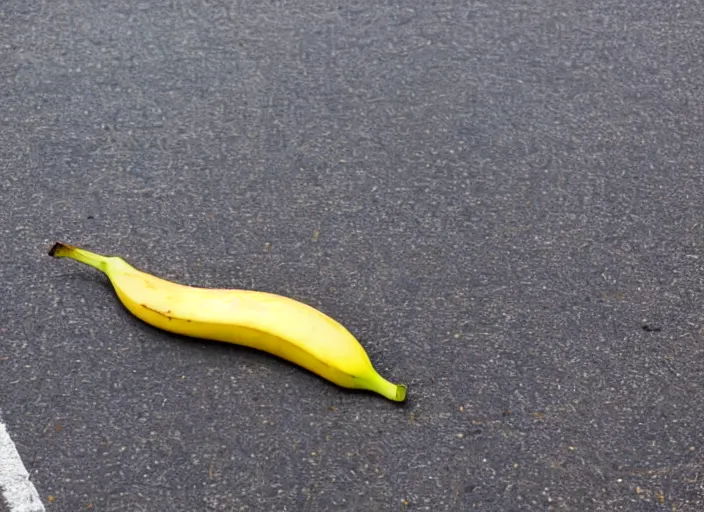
(504,201)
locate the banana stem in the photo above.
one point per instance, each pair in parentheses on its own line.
(395,392)
(399,393)
(98,261)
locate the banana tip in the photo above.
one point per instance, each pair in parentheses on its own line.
(401,393)
(54,248)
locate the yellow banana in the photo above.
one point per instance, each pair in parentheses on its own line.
(278,325)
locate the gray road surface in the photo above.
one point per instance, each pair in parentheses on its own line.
(503,200)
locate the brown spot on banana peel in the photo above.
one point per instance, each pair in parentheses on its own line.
(166,315)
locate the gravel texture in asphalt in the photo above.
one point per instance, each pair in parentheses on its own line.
(504,201)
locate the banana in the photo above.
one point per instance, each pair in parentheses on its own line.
(272,323)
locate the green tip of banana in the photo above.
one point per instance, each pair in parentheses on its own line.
(400,393)
(272,323)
